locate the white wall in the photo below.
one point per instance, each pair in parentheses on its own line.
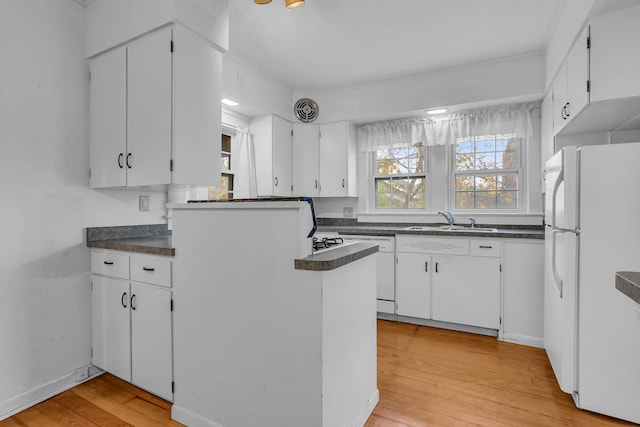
(46,202)
(513,79)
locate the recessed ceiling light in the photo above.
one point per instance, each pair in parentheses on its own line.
(229,102)
(438,111)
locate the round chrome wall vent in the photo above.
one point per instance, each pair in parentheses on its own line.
(306,110)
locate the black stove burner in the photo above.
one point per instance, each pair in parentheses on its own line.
(326,242)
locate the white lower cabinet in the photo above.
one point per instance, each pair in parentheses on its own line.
(132,321)
(455,280)
(413,285)
(466,290)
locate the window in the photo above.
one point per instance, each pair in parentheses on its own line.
(486,172)
(224,191)
(400,177)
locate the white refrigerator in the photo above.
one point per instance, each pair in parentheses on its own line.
(592,330)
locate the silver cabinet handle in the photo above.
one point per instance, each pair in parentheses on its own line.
(426,266)
(485,247)
(276,180)
(133,302)
(123,300)
(148,269)
(316,183)
(343,183)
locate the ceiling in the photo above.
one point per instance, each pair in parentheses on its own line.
(328,45)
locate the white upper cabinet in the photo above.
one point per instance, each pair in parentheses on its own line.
(306,165)
(272,142)
(149,110)
(613,66)
(155,112)
(337,159)
(108,119)
(571,86)
(615,54)
(324,159)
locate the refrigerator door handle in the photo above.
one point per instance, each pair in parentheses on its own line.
(554,196)
(554,268)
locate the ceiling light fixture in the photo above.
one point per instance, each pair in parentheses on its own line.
(293,3)
(438,111)
(229,102)
(290,4)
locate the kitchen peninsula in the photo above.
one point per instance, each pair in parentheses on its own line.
(265,333)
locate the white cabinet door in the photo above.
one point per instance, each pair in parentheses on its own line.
(615,54)
(466,290)
(108,119)
(111,344)
(149,110)
(197,77)
(281,157)
(334,165)
(306,171)
(386,289)
(151,342)
(560,99)
(413,290)
(523,292)
(578,75)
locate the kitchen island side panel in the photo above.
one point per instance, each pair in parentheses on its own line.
(247,326)
(349,343)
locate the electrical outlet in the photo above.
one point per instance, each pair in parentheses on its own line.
(82,374)
(144,203)
(347,212)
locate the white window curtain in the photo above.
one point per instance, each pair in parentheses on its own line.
(512,120)
(245,184)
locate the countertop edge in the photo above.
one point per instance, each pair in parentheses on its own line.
(337,257)
(628,282)
(391,231)
(128,247)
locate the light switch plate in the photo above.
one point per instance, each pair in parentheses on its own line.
(144,203)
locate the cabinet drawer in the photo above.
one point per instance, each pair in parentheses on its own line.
(489,248)
(110,264)
(431,245)
(153,270)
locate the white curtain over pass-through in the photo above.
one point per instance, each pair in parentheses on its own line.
(448,129)
(245,184)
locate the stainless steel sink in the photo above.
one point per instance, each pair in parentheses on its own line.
(422,228)
(469,229)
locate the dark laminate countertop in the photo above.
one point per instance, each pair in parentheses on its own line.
(628,282)
(153,239)
(336,257)
(377,230)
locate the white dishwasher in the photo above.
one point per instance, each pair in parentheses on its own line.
(386,270)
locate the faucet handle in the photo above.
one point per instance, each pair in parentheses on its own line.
(472,220)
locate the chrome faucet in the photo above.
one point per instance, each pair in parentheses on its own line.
(472,220)
(447,215)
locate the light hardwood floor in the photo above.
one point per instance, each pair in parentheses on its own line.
(426,376)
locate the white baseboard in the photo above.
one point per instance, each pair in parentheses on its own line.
(189,418)
(367,410)
(523,340)
(15,404)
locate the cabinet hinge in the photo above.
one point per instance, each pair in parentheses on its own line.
(171,46)
(501,320)
(89,172)
(89,75)
(91,285)
(171,305)
(173,387)
(291,132)
(171,165)
(291,187)
(589,42)
(588,85)
(92,352)
(501,268)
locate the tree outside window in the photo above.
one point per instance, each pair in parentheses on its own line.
(400,177)
(486,172)
(224,191)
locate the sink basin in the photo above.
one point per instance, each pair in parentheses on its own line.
(421,228)
(469,229)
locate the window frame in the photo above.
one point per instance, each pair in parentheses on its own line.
(229,173)
(374,176)
(519,171)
